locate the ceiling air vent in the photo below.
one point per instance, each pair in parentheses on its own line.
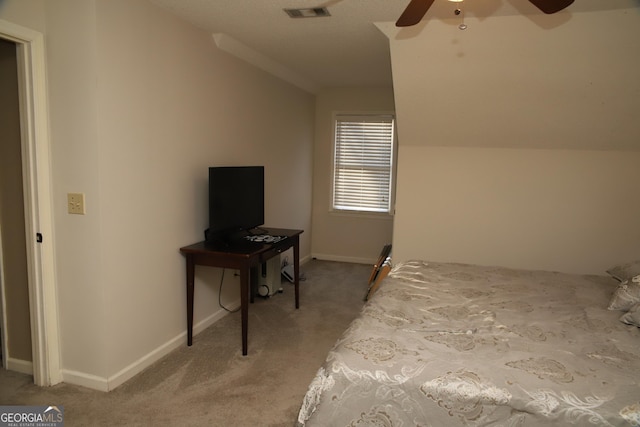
(314,12)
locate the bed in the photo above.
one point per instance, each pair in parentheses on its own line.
(443,344)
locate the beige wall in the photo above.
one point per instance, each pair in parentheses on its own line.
(30,14)
(141,104)
(561,210)
(70,39)
(518,140)
(13,250)
(171,105)
(344,236)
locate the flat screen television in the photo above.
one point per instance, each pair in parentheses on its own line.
(236,201)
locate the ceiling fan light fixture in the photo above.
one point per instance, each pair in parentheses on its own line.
(416,9)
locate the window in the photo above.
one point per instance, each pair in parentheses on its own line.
(363,162)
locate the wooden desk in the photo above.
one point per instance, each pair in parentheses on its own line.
(241,258)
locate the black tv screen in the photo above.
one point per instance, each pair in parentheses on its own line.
(236,200)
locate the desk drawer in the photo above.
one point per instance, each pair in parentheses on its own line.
(265,256)
(276,249)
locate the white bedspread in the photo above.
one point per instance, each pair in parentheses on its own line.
(452,344)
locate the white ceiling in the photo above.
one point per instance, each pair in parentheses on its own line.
(345,49)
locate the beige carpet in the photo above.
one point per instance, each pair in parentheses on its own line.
(211,383)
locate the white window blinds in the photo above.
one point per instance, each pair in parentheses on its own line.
(363,161)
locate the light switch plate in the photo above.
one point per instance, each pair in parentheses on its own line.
(75,203)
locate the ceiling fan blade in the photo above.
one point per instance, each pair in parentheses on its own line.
(551,6)
(414,12)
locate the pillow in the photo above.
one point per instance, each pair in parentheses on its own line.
(625,271)
(626,295)
(632,317)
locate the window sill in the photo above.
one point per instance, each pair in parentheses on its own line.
(384,216)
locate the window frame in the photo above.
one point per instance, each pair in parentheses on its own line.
(341,115)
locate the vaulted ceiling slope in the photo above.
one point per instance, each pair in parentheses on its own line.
(344,49)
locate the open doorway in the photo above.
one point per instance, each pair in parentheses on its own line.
(15,328)
(37,201)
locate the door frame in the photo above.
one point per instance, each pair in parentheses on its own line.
(37,187)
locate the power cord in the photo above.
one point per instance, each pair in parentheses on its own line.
(220,295)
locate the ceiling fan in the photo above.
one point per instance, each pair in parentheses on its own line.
(416,9)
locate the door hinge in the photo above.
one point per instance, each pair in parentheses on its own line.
(39,237)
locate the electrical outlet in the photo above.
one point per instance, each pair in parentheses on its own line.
(75,203)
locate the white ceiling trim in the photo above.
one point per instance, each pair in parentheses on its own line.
(244,52)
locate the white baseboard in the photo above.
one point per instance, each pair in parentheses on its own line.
(18,365)
(83,379)
(340,258)
(108,384)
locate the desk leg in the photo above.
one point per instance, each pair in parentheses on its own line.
(253,282)
(244,305)
(296,269)
(190,277)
